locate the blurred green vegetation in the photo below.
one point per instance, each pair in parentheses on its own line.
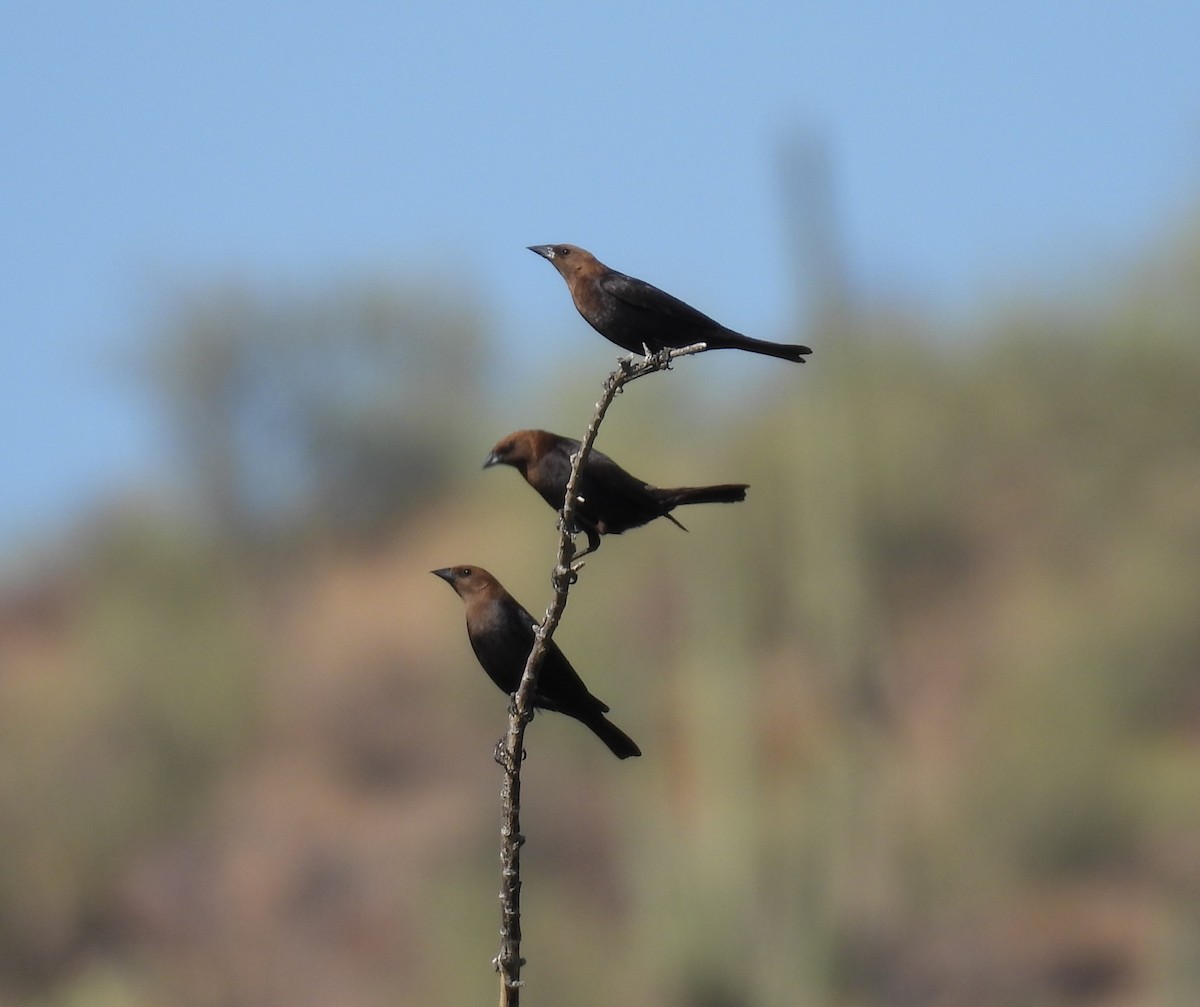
(311,408)
(921,718)
(128,691)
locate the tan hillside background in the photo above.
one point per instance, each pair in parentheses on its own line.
(921,718)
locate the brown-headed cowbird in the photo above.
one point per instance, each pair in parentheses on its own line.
(641,318)
(501,634)
(610,500)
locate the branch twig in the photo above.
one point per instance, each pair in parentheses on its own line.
(511,750)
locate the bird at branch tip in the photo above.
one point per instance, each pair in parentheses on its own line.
(639,317)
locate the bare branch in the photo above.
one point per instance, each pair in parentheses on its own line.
(511,749)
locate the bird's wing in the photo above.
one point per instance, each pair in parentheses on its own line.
(615,480)
(615,498)
(554,471)
(641,294)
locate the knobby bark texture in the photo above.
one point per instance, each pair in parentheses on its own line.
(510,751)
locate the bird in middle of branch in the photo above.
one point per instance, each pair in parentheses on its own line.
(609,499)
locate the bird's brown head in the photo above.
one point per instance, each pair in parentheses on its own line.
(519,449)
(468,581)
(569,260)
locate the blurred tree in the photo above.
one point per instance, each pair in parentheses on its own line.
(315,407)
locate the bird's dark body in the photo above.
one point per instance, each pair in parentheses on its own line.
(502,645)
(610,500)
(638,316)
(501,634)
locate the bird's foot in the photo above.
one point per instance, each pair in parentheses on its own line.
(565,576)
(663,358)
(527,716)
(593,538)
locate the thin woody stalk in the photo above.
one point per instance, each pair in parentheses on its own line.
(510,751)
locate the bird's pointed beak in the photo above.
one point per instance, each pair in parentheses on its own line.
(545,251)
(446,573)
(491,459)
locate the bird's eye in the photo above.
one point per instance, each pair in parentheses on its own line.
(464,571)
(562,250)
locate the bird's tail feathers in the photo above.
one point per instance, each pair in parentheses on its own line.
(724,493)
(618,742)
(785,351)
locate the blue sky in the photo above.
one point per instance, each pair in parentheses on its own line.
(158,146)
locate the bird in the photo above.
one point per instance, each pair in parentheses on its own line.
(609,500)
(639,317)
(501,634)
